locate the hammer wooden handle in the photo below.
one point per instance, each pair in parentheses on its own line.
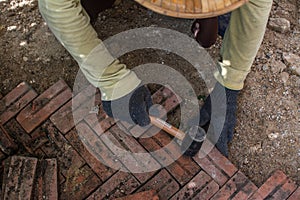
(167,127)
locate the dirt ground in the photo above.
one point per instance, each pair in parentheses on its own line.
(267,134)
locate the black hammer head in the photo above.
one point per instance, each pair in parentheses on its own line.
(193,141)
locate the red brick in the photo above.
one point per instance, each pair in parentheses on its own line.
(7,144)
(210,168)
(38,138)
(285,191)
(173,149)
(149,195)
(79,184)
(245,192)
(98,167)
(19,134)
(276,180)
(96,147)
(16,93)
(130,163)
(120,184)
(68,159)
(44,105)
(163,155)
(163,184)
(193,187)
(18,105)
(79,106)
(157,152)
(20,177)
(236,183)
(63,118)
(295,195)
(45,186)
(209,190)
(222,162)
(99,125)
(145,160)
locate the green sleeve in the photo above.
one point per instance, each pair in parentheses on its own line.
(71,26)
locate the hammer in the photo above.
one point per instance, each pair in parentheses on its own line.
(191,141)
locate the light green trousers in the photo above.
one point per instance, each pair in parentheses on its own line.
(241,42)
(70,24)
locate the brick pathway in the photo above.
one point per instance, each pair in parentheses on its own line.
(44,156)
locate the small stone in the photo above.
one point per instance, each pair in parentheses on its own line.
(295,70)
(191,185)
(284,77)
(291,59)
(25,58)
(265,68)
(277,66)
(281,25)
(11,28)
(273,136)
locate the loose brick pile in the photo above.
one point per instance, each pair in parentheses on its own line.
(43,156)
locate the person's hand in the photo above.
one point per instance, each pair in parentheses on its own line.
(133,107)
(223,106)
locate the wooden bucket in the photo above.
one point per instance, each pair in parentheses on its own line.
(192,8)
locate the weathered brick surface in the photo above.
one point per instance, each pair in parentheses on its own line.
(163,183)
(7,144)
(277,179)
(120,184)
(88,166)
(222,162)
(14,129)
(18,182)
(80,106)
(79,184)
(16,100)
(295,195)
(211,169)
(146,162)
(233,186)
(44,105)
(285,190)
(194,187)
(45,186)
(246,191)
(187,168)
(96,147)
(103,171)
(149,195)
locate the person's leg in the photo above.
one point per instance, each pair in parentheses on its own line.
(94,7)
(241,42)
(205,31)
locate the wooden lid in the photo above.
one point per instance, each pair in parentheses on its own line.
(192,8)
